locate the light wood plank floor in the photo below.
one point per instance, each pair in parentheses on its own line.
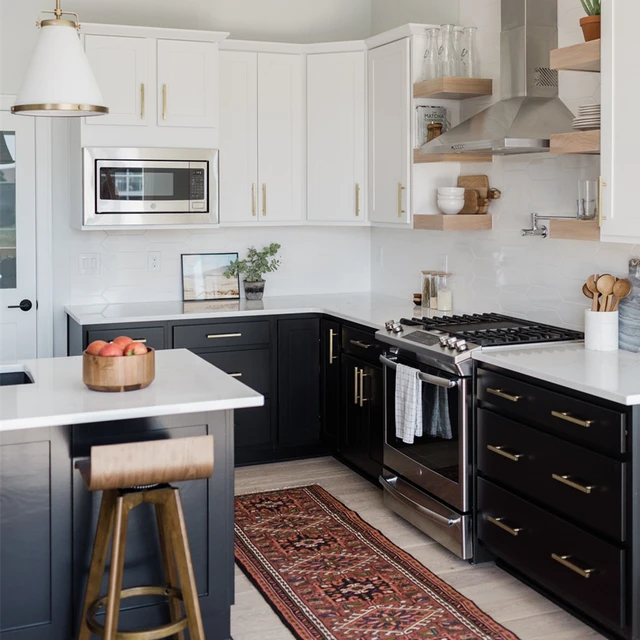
(508,601)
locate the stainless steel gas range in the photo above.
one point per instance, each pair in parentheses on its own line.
(429,481)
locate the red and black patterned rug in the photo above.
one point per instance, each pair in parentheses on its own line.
(331,576)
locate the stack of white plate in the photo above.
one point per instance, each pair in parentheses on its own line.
(588,118)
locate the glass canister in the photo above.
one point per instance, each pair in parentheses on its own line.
(430,62)
(447,58)
(429,290)
(470,58)
(445,295)
(458,43)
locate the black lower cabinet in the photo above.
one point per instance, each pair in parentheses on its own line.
(298,387)
(330,383)
(362,431)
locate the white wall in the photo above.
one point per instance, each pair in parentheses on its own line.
(387,14)
(501,271)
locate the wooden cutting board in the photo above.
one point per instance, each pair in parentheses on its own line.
(479,183)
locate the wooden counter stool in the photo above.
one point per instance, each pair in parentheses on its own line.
(130,475)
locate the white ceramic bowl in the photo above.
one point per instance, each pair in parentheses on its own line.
(451,198)
(451,208)
(451,191)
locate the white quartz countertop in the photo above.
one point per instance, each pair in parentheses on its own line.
(362,308)
(184,383)
(613,375)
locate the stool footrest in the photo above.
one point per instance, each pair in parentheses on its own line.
(156,633)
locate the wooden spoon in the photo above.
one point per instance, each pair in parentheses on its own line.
(621,290)
(593,287)
(587,292)
(605,286)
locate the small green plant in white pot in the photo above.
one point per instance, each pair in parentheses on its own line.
(591,23)
(256,264)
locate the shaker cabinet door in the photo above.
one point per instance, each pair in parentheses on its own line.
(120,68)
(187,84)
(336,132)
(389,133)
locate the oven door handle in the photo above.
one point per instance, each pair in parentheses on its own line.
(427,513)
(424,377)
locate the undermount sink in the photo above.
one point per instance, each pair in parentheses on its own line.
(14,375)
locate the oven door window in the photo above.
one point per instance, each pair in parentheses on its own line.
(138,184)
(438,448)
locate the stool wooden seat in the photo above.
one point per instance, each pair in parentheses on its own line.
(130,475)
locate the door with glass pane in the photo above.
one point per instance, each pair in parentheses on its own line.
(17,239)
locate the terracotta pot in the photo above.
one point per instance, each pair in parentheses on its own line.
(254,290)
(591,28)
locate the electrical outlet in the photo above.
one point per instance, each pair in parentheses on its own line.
(154,261)
(89,264)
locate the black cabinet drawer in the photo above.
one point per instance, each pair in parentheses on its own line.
(251,367)
(577,420)
(151,336)
(578,567)
(573,481)
(216,335)
(361,344)
(253,427)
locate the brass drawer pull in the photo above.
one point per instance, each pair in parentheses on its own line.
(573,484)
(357,343)
(140,340)
(514,457)
(332,334)
(503,395)
(236,375)
(401,211)
(563,415)
(216,336)
(355,385)
(499,522)
(565,562)
(164,101)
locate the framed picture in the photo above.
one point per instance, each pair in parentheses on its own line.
(203,277)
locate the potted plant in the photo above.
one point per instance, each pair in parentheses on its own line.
(591,24)
(254,267)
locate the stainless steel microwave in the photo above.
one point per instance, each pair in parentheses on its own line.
(159,187)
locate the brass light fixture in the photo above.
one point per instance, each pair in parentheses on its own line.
(59,81)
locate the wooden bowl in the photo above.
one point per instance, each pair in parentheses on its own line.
(114,375)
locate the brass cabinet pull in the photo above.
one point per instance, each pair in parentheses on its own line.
(216,336)
(563,415)
(601,185)
(363,375)
(332,334)
(566,562)
(514,457)
(573,484)
(357,200)
(264,200)
(142,102)
(140,340)
(355,385)
(254,206)
(400,190)
(364,345)
(499,522)
(164,101)
(236,375)
(505,396)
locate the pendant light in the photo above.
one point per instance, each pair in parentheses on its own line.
(59,81)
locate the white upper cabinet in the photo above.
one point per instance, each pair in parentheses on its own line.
(187,83)
(619,143)
(280,137)
(120,67)
(239,136)
(336,137)
(390,133)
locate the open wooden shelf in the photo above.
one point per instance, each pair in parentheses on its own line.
(586,142)
(418,158)
(579,57)
(574,230)
(453,223)
(453,88)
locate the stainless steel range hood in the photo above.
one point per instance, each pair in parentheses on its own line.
(530,109)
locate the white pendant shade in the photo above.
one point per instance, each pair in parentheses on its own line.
(59,81)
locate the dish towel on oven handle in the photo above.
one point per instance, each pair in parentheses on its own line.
(408,404)
(435,408)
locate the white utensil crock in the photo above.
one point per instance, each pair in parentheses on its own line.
(601,331)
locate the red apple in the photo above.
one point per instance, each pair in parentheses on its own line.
(95,347)
(111,350)
(122,341)
(135,349)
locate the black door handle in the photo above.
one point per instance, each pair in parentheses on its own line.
(25,305)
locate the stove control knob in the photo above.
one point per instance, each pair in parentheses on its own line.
(397,328)
(444,340)
(452,342)
(389,325)
(461,346)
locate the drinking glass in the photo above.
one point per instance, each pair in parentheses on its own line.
(447,64)
(587,199)
(430,62)
(458,43)
(470,57)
